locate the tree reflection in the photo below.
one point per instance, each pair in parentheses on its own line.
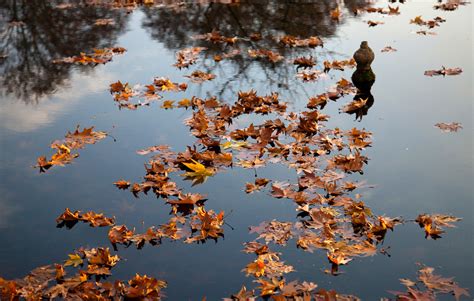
(34,32)
(175,28)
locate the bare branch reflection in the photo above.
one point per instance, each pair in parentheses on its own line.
(176,26)
(34,32)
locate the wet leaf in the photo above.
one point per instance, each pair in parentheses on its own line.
(304,62)
(374,23)
(187,57)
(388,49)
(449,127)
(199,173)
(433,224)
(200,76)
(74,260)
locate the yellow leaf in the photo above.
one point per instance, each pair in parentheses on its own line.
(167,104)
(73,260)
(195,166)
(235,145)
(199,172)
(184,103)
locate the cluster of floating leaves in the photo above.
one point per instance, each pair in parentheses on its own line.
(52,281)
(418,20)
(69,219)
(202,225)
(72,141)
(187,57)
(444,71)
(99,56)
(337,13)
(434,284)
(339,65)
(450,6)
(124,94)
(379,10)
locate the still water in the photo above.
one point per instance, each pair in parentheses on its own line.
(414,167)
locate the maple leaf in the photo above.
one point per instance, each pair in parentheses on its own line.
(304,62)
(208,224)
(60,273)
(78,138)
(278,232)
(101,257)
(120,234)
(62,157)
(68,216)
(255,163)
(269,287)
(256,268)
(186,202)
(272,56)
(167,104)
(234,144)
(388,49)
(187,56)
(117,87)
(184,103)
(122,184)
(309,75)
(74,260)
(164,84)
(144,288)
(354,105)
(200,76)
(259,184)
(393,10)
(417,20)
(433,224)
(199,173)
(255,247)
(97,219)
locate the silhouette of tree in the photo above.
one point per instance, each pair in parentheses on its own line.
(176,26)
(34,32)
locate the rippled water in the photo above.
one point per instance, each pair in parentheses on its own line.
(414,166)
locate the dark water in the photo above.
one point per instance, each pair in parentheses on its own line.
(415,167)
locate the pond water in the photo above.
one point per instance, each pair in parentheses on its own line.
(414,167)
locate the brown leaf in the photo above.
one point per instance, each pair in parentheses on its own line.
(449,127)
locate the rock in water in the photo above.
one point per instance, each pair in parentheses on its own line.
(364,56)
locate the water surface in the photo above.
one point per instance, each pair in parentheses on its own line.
(414,166)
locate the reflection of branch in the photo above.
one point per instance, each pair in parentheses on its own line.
(242,70)
(45,33)
(266,17)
